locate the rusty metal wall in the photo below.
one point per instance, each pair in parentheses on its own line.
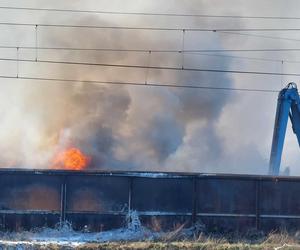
(97,201)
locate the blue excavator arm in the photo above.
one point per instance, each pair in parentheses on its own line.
(288,105)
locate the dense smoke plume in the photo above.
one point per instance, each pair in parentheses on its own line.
(121,127)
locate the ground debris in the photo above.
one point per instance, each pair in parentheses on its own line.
(135,236)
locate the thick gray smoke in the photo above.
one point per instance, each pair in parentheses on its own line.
(121,127)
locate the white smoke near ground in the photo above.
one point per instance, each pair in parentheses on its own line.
(134,127)
(63,234)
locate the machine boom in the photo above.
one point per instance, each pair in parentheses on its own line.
(288,105)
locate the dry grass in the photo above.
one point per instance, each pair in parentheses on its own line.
(274,241)
(187,245)
(180,238)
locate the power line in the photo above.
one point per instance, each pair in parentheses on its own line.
(152,67)
(192,52)
(149,13)
(153,50)
(247,58)
(223,30)
(260,36)
(149,28)
(170,85)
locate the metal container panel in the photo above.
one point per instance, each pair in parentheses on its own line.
(30,192)
(27,221)
(93,222)
(102,194)
(97,201)
(280,197)
(280,224)
(226,196)
(159,223)
(227,224)
(162,195)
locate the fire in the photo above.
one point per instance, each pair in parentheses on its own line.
(71,159)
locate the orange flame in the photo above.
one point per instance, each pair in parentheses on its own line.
(71,159)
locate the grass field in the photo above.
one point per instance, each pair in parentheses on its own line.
(136,237)
(274,241)
(153,245)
